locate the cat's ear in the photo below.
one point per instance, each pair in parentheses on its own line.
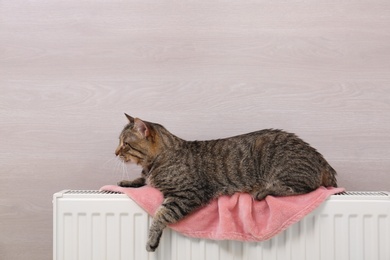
(141,127)
(131,119)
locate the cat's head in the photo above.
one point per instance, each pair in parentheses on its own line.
(137,142)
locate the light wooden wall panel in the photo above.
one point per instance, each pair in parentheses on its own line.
(204,69)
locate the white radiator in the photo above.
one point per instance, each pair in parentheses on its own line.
(93,225)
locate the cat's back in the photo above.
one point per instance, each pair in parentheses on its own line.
(255,152)
(251,140)
(237,153)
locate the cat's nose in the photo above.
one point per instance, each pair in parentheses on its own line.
(118,150)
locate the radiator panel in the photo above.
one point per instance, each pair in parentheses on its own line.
(105,225)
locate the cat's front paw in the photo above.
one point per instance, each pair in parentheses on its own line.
(124,183)
(151,248)
(133,184)
(153,241)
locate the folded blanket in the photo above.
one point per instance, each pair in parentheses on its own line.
(237,217)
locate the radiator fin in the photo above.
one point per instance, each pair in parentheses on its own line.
(363,193)
(79,192)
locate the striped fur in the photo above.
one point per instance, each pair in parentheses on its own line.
(191,173)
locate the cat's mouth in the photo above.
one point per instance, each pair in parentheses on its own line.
(127,159)
(124,159)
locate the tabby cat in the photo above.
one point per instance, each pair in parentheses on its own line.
(192,173)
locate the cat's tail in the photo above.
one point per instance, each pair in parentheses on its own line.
(328,176)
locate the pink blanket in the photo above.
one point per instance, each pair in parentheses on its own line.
(238,217)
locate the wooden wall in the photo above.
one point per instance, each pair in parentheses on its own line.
(204,69)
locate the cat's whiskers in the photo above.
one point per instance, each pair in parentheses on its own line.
(108,165)
(108,161)
(119,168)
(126,171)
(123,170)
